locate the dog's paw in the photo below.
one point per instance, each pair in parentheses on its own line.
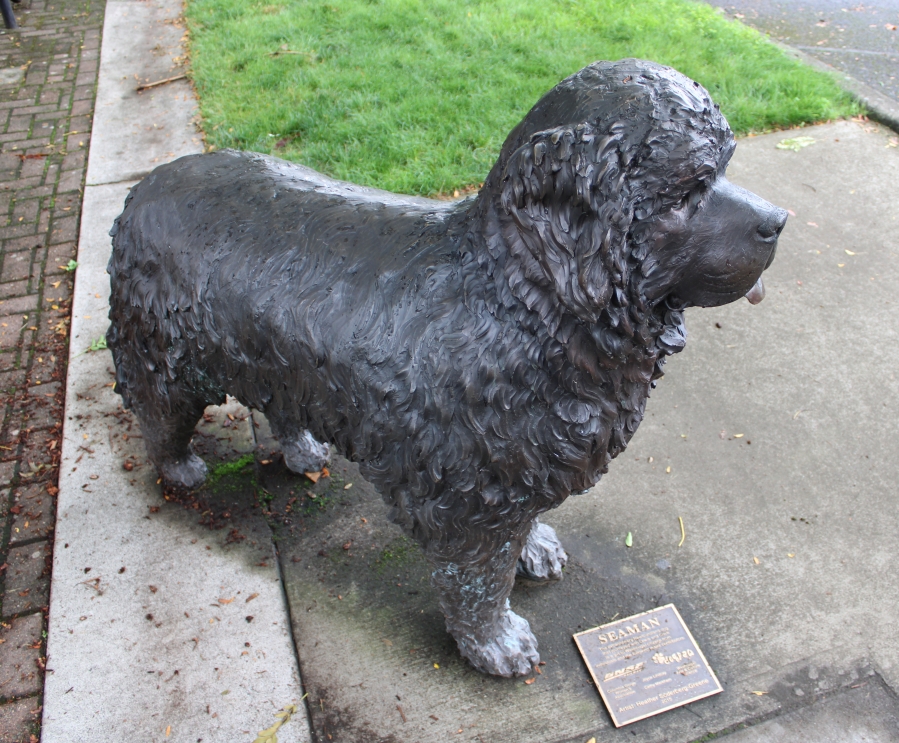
(542,558)
(187,473)
(512,652)
(305,454)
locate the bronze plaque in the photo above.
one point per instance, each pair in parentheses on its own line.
(646,664)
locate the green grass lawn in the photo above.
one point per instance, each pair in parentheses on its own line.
(417,96)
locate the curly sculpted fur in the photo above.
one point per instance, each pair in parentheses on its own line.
(480,360)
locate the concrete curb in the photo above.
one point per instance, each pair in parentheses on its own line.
(881,108)
(152,636)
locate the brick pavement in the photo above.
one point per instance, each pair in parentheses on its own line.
(48,74)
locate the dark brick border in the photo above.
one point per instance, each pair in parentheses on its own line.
(45,122)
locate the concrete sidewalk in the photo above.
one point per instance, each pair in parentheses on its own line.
(772,436)
(161,628)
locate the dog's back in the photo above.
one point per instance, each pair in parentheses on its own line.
(241,274)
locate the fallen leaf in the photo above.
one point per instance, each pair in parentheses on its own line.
(668,470)
(739,435)
(251,597)
(795,143)
(629,540)
(226,601)
(791,554)
(436,665)
(812,224)
(758,693)
(168,731)
(348,486)
(530,681)
(269,734)
(849,252)
(755,560)
(314,476)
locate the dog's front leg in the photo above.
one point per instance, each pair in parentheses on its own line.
(474,573)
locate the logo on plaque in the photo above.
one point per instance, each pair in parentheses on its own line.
(646,664)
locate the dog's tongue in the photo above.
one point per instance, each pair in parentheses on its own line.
(757,293)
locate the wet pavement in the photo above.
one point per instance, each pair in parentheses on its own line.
(771,437)
(861,40)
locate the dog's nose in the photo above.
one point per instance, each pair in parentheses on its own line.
(774,224)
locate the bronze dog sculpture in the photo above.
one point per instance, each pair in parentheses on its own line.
(481,360)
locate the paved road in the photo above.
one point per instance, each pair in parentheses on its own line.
(862,40)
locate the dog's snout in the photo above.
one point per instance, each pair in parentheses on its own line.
(774,224)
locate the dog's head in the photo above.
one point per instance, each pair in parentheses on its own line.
(615,184)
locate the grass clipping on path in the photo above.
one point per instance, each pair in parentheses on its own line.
(418,96)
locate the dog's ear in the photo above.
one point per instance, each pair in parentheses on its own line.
(564,190)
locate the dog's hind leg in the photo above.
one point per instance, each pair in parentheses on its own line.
(474,574)
(543,557)
(167,436)
(302,453)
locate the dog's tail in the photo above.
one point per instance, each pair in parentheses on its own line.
(114,336)
(133,332)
